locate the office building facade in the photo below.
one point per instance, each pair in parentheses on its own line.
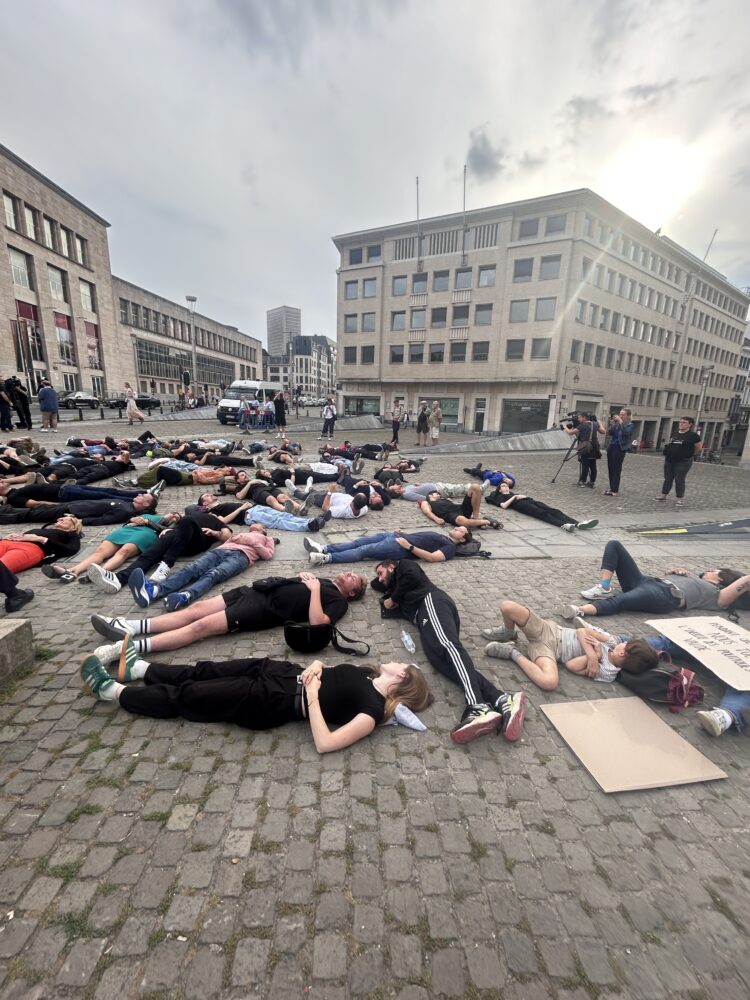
(515,314)
(309,364)
(282,323)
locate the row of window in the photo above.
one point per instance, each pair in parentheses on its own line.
(144,318)
(162,361)
(458,351)
(703,321)
(549,268)
(716,298)
(689,374)
(248,372)
(23,272)
(554,225)
(29,221)
(30,345)
(600,318)
(600,356)
(544,311)
(374,254)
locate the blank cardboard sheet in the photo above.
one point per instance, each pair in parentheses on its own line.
(625,746)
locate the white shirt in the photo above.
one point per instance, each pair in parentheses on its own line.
(341,506)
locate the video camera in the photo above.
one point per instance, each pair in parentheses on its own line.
(570,420)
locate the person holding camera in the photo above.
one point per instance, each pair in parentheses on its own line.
(620,443)
(589,452)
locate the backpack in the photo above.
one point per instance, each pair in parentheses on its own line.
(472,548)
(672,686)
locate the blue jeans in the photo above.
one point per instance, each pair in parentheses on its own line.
(205,572)
(382,545)
(276,519)
(95,493)
(736,702)
(639,592)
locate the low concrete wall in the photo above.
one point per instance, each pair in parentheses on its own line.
(16,646)
(364,423)
(533,441)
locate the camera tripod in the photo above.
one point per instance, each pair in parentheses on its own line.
(566,458)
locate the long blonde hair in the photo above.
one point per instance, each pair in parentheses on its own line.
(412,691)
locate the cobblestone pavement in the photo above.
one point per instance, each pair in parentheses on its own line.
(142,858)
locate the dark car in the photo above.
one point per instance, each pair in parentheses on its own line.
(143,401)
(71,400)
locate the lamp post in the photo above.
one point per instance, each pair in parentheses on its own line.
(705,380)
(191,300)
(576,380)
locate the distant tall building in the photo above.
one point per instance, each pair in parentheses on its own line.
(282,323)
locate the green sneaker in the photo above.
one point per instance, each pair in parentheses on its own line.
(128,657)
(95,676)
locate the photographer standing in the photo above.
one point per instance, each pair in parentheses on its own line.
(620,443)
(589,452)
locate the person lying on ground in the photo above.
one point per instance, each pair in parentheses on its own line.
(117,548)
(260,693)
(316,472)
(374,494)
(582,651)
(410,593)
(261,491)
(20,551)
(417,492)
(208,570)
(174,472)
(90,511)
(352,451)
(228,510)
(430,546)
(394,472)
(40,494)
(281,521)
(264,604)
(677,590)
(502,496)
(465,514)
(495,476)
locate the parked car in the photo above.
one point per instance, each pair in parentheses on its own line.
(71,400)
(143,401)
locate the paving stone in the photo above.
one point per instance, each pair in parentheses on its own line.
(329,956)
(164,966)
(79,966)
(448,977)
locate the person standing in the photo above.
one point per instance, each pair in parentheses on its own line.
(434,421)
(329,419)
(279,406)
(243,413)
(20,400)
(586,434)
(679,453)
(131,407)
(6,405)
(397,412)
(423,426)
(620,443)
(48,406)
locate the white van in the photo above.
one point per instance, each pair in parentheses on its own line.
(252,389)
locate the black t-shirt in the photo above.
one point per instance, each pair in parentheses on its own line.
(430,541)
(219,509)
(681,446)
(291,601)
(260,493)
(60,544)
(204,519)
(347,691)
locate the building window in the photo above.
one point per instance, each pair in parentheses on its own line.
(523,269)
(147,325)
(418,319)
(56,283)
(439,318)
(351,289)
(350,323)
(124,311)
(399,284)
(19,265)
(65,345)
(93,351)
(398,321)
(80,250)
(480,350)
(487,276)
(514,350)
(528,229)
(483,315)
(30,217)
(355,256)
(550,268)
(463,278)
(87,295)
(350,355)
(49,233)
(437,352)
(368,355)
(397,354)
(519,310)
(555,224)
(599,356)
(441,281)
(70,381)
(460,316)
(368,322)
(9,203)
(65,235)
(458,351)
(419,283)
(416,354)
(374,253)
(541,347)
(545,309)
(369,288)
(587,349)
(575,350)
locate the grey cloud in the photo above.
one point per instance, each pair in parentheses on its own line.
(484,160)
(741,178)
(612,21)
(532,161)
(650,93)
(581,109)
(740,113)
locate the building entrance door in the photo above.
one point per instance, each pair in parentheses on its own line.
(480,405)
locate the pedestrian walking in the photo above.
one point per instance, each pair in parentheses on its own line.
(131,407)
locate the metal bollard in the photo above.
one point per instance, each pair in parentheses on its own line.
(101,413)
(148,410)
(119,409)
(80,412)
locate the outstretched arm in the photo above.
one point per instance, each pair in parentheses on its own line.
(728,595)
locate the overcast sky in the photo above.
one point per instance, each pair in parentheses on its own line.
(227,140)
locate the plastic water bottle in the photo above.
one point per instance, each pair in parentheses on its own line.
(408,642)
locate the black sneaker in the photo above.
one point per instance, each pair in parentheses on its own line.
(17,600)
(477,720)
(513,708)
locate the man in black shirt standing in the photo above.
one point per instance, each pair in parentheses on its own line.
(679,452)
(410,593)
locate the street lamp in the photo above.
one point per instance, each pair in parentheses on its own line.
(576,380)
(705,380)
(191,300)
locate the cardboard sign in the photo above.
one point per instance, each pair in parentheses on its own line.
(717,643)
(625,746)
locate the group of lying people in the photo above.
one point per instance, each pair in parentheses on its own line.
(258,692)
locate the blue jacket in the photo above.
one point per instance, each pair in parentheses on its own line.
(625,436)
(48,401)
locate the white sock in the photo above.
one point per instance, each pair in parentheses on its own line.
(138,626)
(727,715)
(111,691)
(139,668)
(142,645)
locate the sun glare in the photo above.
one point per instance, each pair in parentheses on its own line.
(652,181)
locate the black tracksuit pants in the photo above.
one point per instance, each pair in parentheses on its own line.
(185,539)
(253,693)
(439,627)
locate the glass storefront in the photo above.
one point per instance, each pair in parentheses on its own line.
(357,406)
(521,415)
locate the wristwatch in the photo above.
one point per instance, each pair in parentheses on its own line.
(411,548)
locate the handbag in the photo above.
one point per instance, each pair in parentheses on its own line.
(305,638)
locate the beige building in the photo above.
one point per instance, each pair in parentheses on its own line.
(515,314)
(56,307)
(157,333)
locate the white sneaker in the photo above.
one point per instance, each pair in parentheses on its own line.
(290,484)
(715,721)
(596,591)
(569,611)
(308,484)
(568,527)
(310,545)
(104,579)
(109,652)
(319,558)
(160,574)
(585,525)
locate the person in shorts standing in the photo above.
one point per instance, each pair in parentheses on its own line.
(434,421)
(679,453)
(48,406)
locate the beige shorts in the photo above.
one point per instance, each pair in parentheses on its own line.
(434,433)
(543,637)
